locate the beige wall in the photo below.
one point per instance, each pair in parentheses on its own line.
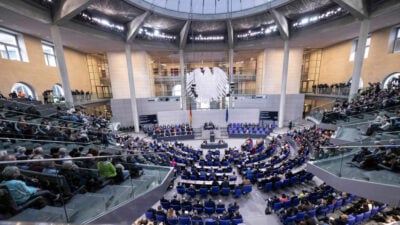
(39,76)
(78,71)
(144,82)
(336,66)
(272,71)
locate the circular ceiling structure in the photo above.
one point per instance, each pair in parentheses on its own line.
(207,9)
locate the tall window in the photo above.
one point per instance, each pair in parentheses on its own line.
(49,55)
(9,47)
(354,48)
(396,47)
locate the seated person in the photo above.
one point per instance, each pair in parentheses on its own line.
(108,170)
(359,157)
(171,214)
(160,211)
(209,203)
(19,190)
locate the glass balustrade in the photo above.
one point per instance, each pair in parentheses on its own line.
(372,163)
(84,193)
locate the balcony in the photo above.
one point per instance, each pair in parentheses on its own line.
(369,179)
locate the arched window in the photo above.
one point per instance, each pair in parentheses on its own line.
(24,88)
(391,79)
(176,90)
(58,91)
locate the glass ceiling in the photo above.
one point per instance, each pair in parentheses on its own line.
(207,9)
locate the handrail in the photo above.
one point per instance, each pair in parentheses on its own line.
(65,159)
(36,124)
(40,117)
(359,146)
(49,141)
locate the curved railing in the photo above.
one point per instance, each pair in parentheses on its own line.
(84,204)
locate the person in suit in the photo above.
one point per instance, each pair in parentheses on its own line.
(209,203)
(160,211)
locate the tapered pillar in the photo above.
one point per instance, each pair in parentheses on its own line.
(282,102)
(359,58)
(230,77)
(61,65)
(183,79)
(133,105)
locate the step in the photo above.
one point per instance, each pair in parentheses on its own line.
(59,211)
(36,215)
(117,193)
(88,205)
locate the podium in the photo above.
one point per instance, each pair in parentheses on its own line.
(212,136)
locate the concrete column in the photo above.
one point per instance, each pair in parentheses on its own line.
(183,79)
(283,86)
(230,76)
(61,65)
(359,58)
(128,55)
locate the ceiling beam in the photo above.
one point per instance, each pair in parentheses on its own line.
(386,8)
(68,9)
(357,8)
(183,34)
(28,10)
(230,33)
(282,24)
(134,25)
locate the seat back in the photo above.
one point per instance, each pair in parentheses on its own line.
(150,215)
(351,220)
(300,216)
(338,204)
(225,191)
(173,221)
(220,210)
(214,190)
(289,220)
(268,187)
(191,192)
(224,222)
(160,218)
(199,210)
(165,204)
(181,190)
(57,183)
(7,203)
(238,193)
(277,206)
(312,212)
(197,222)
(184,220)
(278,184)
(237,221)
(366,216)
(209,210)
(247,188)
(359,218)
(203,191)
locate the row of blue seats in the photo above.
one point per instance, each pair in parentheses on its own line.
(249,132)
(287,182)
(250,125)
(204,178)
(214,191)
(364,217)
(188,220)
(266,129)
